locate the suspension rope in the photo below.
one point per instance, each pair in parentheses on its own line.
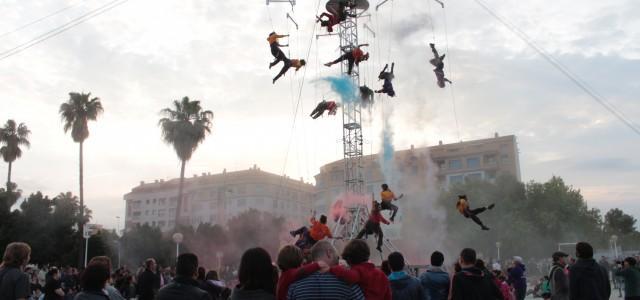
(450,69)
(270,19)
(580,83)
(391,33)
(41,19)
(432,21)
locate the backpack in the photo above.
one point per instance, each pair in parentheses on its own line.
(545,288)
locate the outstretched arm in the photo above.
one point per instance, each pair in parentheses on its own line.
(392,66)
(435,52)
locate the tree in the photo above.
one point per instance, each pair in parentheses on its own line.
(76,114)
(12,137)
(617,222)
(184,127)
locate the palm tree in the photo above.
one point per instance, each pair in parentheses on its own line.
(184,127)
(76,114)
(12,137)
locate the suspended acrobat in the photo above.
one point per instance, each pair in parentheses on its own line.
(275,48)
(335,17)
(353,56)
(310,236)
(463,207)
(330,106)
(366,95)
(386,197)
(387,86)
(373,225)
(438,62)
(288,63)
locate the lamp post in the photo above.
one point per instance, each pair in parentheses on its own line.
(219,256)
(177,238)
(118,236)
(614,240)
(498,244)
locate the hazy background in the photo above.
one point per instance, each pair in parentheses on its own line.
(143,54)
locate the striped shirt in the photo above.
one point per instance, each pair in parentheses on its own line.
(323,286)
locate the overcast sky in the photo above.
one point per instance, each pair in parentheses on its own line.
(143,54)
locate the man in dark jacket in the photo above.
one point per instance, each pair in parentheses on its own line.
(148,281)
(435,280)
(587,279)
(471,283)
(517,278)
(558,279)
(403,286)
(631,275)
(185,285)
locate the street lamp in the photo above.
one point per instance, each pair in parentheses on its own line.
(219,256)
(614,240)
(177,238)
(498,244)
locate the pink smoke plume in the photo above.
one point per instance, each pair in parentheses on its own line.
(339,207)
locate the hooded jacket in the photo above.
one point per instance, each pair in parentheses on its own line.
(517,278)
(435,282)
(588,281)
(472,284)
(182,288)
(405,287)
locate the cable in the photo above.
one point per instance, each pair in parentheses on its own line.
(564,70)
(451,88)
(60,29)
(40,19)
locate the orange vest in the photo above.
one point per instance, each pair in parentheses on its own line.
(319,231)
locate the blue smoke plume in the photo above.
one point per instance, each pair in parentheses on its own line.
(343,86)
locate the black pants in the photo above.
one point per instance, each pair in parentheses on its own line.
(387,205)
(305,240)
(319,110)
(277,54)
(285,68)
(349,57)
(372,228)
(472,214)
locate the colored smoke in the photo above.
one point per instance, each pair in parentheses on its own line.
(338,209)
(387,148)
(344,87)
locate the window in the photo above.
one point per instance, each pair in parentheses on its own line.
(161,212)
(147,201)
(473,176)
(136,213)
(473,162)
(242,202)
(153,212)
(153,223)
(172,211)
(259,202)
(155,200)
(489,159)
(212,205)
(146,212)
(453,179)
(171,223)
(162,201)
(162,223)
(504,157)
(455,164)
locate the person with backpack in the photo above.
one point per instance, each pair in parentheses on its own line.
(558,282)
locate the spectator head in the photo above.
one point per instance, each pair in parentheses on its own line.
(386,269)
(53,273)
(356,252)
(584,250)
(324,251)
(559,256)
(467,257)
(256,271)
(105,260)
(289,257)
(323,219)
(150,264)
(16,255)
(202,273)
(480,264)
(385,187)
(437,259)
(630,262)
(517,260)
(187,265)
(94,277)
(212,275)
(396,261)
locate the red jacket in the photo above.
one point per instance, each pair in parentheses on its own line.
(374,284)
(376,217)
(292,275)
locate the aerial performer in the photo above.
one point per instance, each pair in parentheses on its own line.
(438,62)
(310,236)
(353,56)
(334,18)
(373,225)
(366,95)
(275,48)
(330,106)
(387,86)
(386,197)
(463,207)
(288,63)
